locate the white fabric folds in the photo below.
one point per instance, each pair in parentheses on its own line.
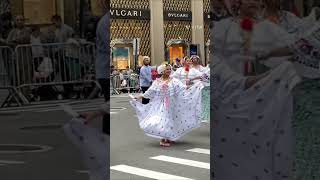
(94,147)
(173,110)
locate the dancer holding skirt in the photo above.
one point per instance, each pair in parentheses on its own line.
(174,108)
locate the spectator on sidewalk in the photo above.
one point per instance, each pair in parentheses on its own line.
(20,34)
(61,34)
(128,71)
(42,67)
(145,77)
(36,40)
(5,27)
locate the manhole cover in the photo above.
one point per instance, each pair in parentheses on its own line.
(22,148)
(43,127)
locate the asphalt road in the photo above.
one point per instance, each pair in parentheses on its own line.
(135,156)
(60,160)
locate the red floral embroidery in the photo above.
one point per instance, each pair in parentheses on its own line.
(247,24)
(187,68)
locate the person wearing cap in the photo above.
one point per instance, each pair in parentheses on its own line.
(174,110)
(145,77)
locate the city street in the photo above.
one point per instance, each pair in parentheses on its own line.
(33,146)
(135,156)
(47,154)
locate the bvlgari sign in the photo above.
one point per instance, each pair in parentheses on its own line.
(129,14)
(177,16)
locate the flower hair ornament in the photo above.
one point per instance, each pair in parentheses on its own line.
(162,68)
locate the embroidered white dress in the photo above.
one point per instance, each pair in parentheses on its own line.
(206,95)
(228,41)
(93,146)
(180,74)
(252,138)
(173,110)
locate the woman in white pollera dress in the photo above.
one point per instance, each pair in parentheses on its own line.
(182,73)
(197,73)
(173,111)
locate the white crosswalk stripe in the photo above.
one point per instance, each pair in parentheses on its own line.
(6,162)
(10,162)
(199,150)
(181,161)
(147,173)
(169,160)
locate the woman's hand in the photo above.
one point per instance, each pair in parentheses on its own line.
(188,82)
(138,97)
(90,116)
(250,81)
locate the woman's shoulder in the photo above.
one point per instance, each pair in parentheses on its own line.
(224,22)
(288,14)
(174,81)
(220,27)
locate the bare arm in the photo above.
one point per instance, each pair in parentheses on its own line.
(279,52)
(250,81)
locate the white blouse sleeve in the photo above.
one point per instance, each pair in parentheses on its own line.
(152,91)
(176,73)
(218,34)
(178,87)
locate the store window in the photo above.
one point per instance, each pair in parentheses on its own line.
(39,11)
(121,57)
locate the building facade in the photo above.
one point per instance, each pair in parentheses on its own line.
(161,29)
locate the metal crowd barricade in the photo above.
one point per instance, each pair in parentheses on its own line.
(55,64)
(129,83)
(115,84)
(8,78)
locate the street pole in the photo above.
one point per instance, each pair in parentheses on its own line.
(81,18)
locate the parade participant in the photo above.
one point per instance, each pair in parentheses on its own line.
(244,36)
(290,22)
(196,63)
(177,64)
(280,96)
(305,54)
(145,77)
(182,73)
(255,121)
(173,110)
(205,78)
(251,125)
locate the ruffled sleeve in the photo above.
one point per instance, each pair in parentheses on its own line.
(176,74)
(178,86)
(152,91)
(206,76)
(307,53)
(219,33)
